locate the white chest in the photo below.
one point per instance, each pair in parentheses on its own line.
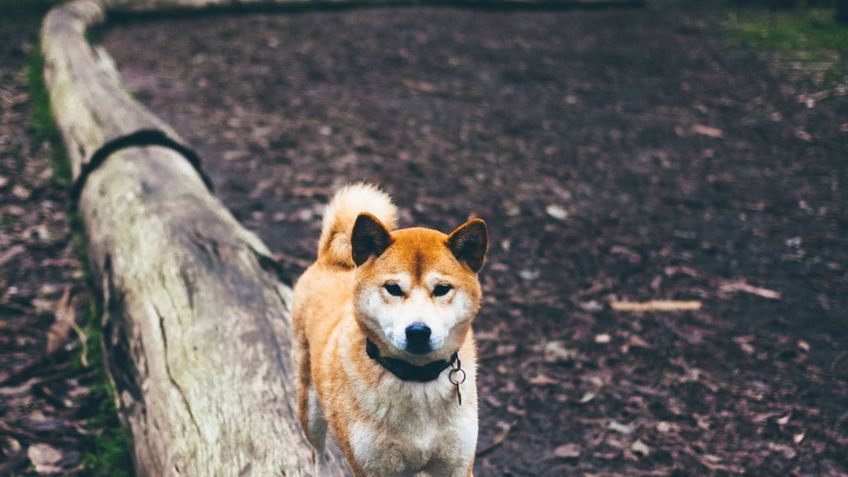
(415,427)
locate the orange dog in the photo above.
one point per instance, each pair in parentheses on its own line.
(383,342)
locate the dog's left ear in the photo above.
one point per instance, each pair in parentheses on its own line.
(469,243)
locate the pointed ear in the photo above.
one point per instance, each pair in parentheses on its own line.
(469,243)
(369,238)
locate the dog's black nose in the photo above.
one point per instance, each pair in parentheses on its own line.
(418,338)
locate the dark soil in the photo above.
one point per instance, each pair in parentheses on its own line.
(617,154)
(54,408)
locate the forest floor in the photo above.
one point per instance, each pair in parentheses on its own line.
(630,154)
(616,155)
(56,414)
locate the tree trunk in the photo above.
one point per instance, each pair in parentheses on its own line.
(196,322)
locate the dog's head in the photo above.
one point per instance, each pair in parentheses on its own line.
(417,289)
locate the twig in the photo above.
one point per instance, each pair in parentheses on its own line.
(837,360)
(708,131)
(83,339)
(741,286)
(655,305)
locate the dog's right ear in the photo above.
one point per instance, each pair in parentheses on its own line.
(369,238)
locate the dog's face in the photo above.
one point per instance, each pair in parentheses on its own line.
(417,289)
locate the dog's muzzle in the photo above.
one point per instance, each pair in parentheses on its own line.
(418,338)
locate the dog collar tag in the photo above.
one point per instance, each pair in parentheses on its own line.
(457,377)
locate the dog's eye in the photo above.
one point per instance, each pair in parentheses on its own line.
(393,289)
(441,290)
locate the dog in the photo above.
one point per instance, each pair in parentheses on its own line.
(383,346)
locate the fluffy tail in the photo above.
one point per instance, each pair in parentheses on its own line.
(341,214)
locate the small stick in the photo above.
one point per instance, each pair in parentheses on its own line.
(655,305)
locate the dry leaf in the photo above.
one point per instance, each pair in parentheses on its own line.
(44,457)
(588,396)
(707,131)
(744,343)
(803,135)
(671,271)
(21,192)
(702,421)
(640,448)
(655,305)
(787,451)
(567,451)
(515,410)
(556,352)
(541,380)
(591,306)
(557,211)
(493,401)
(603,338)
(619,427)
(637,342)
(60,330)
(12,445)
(422,86)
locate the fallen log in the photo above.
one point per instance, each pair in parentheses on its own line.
(195,318)
(195,322)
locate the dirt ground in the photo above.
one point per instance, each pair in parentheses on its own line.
(617,155)
(50,402)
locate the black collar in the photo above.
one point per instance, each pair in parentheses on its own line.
(405,370)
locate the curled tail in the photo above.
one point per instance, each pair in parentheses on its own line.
(340,215)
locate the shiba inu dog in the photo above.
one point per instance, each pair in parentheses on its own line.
(383,344)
